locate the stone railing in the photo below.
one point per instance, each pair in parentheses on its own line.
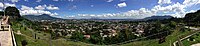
(7,28)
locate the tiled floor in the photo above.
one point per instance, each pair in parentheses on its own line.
(5,38)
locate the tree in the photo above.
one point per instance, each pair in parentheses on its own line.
(192,17)
(24,43)
(12,11)
(172,24)
(77,36)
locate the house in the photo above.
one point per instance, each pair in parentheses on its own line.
(87,36)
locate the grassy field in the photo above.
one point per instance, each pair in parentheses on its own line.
(168,41)
(188,42)
(42,40)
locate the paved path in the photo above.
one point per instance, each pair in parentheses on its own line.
(193,28)
(198,44)
(5,38)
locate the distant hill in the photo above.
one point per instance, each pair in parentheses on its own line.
(40,17)
(1,13)
(48,17)
(158,17)
(144,19)
(192,17)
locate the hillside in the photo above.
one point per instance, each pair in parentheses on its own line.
(40,17)
(158,17)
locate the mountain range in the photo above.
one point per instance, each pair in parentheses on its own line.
(40,17)
(48,17)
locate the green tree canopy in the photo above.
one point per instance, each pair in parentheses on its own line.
(12,11)
(192,17)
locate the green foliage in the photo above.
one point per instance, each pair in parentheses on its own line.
(12,11)
(77,36)
(1,13)
(172,24)
(193,17)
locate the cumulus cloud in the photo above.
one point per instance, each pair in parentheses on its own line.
(122,0)
(122,4)
(26,0)
(75,7)
(6,5)
(1,5)
(132,14)
(52,7)
(164,1)
(70,0)
(55,0)
(191,11)
(109,0)
(177,9)
(91,5)
(25,10)
(40,7)
(170,8)
(189,3)
(9,4)
(13,0)
(38,0)
(43,7)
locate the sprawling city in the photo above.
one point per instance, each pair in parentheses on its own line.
(99,22)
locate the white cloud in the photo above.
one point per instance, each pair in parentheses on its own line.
(13,0)
(43,7)
(6,5)
(55,0)
(25,10)
(1,4)
(134,14)
(26,0)
(109,0)
(122,0)
(191,2)
(177,9)
(52,7)
(122,4)
(70,0)
(53,14)
(191,11)
(38,0)
(74,7)
(40,7)
(91,5)
(164,1)
(169,8)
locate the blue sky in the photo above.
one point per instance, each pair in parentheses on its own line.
(105,9)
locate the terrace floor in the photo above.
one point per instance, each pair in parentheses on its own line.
(5,38)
